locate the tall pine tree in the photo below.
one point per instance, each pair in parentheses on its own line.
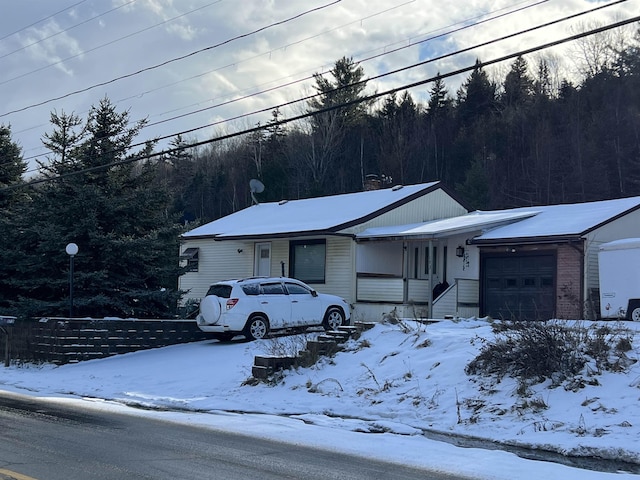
(117,214)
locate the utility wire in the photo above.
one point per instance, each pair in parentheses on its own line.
(382,75)
(363,60)
(153,67)
(368,98)
(56,34)
(140,94)
(84,52)
(309,77)
(425,62)
(41,20)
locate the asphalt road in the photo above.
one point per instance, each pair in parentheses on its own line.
(46,441)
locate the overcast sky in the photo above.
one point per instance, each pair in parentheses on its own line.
(55,48)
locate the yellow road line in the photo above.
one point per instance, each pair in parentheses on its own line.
(9,475)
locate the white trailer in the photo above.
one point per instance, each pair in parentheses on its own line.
(619,270)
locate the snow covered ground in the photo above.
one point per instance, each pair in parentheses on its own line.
(384,396)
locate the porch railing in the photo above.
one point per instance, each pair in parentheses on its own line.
(462,299)
(390,289)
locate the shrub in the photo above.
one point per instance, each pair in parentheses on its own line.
(534,351)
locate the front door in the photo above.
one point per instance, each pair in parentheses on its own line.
(262,267)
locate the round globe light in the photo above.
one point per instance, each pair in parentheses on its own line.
(72,249)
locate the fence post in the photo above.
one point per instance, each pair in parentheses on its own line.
(7,358)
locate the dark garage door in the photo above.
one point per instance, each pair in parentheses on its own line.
(519,287)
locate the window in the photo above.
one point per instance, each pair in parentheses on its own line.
(251,289)
(222,291)
(272,289)
(308,260)
(434,261)
(191,257)
(295,289)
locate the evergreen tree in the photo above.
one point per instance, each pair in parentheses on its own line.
(477,96)
(518,85)
(116,214)
(12,168)
(440,126)
(335,133)
(276,172)
(397,139)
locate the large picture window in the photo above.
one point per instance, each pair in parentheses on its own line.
(308,260)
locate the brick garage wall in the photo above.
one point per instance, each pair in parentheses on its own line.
(60,341)
(569,301)
(569,268)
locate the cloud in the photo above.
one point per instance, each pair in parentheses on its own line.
(49,45)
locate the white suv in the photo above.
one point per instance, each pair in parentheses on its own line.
(254,306)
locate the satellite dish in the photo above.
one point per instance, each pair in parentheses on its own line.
(255,186)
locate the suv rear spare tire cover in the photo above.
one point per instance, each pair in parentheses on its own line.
(210,309)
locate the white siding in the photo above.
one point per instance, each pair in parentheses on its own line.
(467,266)
(340,269)
(433,206)
(468,291)
(279,257)
(446,303)
(380,289)
(216,261)
(417,291)
(220,260)
(460,300)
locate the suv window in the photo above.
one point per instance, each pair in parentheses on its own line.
(222,291)
(295,289)
(272,289)
(251,289)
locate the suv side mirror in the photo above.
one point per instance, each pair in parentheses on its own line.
(314,293)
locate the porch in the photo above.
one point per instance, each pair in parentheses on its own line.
(380,296)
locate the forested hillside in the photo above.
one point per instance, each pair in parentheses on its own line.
(528,138)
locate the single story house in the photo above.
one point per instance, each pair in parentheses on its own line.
(417,250)
(525,263)
(314,240)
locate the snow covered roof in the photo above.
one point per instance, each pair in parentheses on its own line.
(622,244)
(570,220)
(312,215)
(471,222)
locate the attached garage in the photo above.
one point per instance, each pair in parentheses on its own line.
(546,266)
(518,286)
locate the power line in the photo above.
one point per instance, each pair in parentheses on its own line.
(368,98)
(392,72)
(300,80)
(167,62)
(41,20)
(56,34)
(140,94)
(431,60)
(84,52)
(373,57)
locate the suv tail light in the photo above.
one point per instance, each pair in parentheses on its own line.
(232,303)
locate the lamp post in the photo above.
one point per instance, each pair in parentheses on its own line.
(71,249)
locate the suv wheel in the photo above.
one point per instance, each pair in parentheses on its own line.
(256,328)
(333,319)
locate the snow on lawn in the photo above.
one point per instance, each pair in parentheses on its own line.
(398,381)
